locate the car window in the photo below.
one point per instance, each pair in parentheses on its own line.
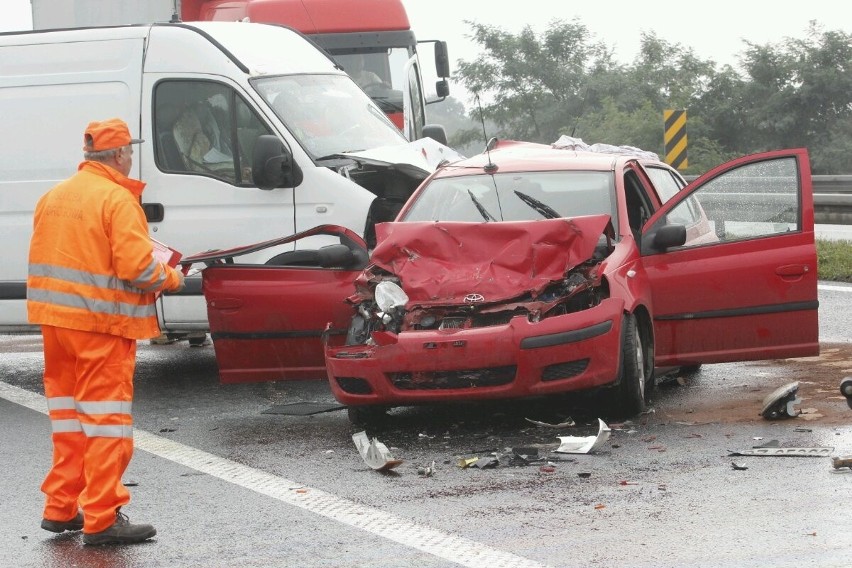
(639,207)
(666,184)
(514,196)
(204,128)
(752,201)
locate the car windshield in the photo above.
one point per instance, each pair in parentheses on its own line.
(515,196)
(328,114)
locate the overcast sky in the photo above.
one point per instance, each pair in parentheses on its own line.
(715,29)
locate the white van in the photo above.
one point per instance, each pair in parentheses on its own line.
(251,133)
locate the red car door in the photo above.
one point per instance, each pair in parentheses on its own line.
(267,320)
(743,285)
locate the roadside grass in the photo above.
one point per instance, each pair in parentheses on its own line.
(834,260)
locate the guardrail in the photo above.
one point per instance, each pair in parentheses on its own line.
(833,200)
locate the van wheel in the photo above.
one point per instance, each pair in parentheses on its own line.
(629,393)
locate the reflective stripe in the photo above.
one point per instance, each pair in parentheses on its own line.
(82,277)
(104,406)
(108,431)
(66,425)
(60,403)
(144,280)
(91,305)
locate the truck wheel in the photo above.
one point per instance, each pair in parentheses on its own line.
(629,395)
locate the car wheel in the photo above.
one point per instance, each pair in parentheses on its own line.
(366,415)
(630,390)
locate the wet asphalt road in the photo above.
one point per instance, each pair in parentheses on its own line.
(229,485)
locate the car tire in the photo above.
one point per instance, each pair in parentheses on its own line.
(366,415)
(629,393)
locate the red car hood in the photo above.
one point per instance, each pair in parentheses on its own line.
(442,263)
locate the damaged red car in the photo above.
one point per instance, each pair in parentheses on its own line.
(531,270)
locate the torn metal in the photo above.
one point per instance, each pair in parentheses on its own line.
(584,444)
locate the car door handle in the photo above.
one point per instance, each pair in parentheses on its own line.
(792,270)
(226,303)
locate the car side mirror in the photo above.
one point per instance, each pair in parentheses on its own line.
(669,236)
(272,164)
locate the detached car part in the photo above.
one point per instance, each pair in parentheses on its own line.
(780,403)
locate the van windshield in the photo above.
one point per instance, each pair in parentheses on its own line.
(328,114)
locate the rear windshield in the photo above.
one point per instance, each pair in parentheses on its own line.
(515,197)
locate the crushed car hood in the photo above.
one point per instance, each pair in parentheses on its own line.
(419,158)
(445,263)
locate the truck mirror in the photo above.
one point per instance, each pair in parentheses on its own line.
(442,59)
(442,88)
(272,164)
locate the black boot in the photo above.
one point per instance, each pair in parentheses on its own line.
(121,532)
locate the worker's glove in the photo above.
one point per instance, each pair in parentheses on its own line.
(181,282)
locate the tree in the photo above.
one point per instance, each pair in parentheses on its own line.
(534,88)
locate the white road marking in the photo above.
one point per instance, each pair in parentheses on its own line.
(452,548)
(832,288)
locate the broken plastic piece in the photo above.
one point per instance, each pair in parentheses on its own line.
(427,471)
(584,444)
(487,463)
(738,467)
(375,454)
(838,462)
(467,462)
(566,424)
(780,403)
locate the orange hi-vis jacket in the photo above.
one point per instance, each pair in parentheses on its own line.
(91,266)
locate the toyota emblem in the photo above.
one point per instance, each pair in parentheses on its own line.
(474,298)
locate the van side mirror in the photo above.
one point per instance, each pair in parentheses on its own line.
(272,164)
(442,59)
(435,132)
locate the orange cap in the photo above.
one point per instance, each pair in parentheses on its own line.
(106,135)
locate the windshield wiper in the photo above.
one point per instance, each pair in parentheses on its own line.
(545,210)
(482,210)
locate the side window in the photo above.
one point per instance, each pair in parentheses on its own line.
(203,128)
(639,208)
(667,185)
(752,201)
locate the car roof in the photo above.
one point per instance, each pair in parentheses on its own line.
(514,156)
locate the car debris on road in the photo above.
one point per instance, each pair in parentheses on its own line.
(375,454)
(584,444)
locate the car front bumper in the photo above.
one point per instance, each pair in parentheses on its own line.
(564,353)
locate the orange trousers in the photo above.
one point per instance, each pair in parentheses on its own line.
(88,382)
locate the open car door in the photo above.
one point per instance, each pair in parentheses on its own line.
(732,266)
(267,320)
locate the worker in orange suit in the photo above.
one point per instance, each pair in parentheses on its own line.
(92,285)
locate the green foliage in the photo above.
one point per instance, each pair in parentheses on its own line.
(538,87)
(834,260)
